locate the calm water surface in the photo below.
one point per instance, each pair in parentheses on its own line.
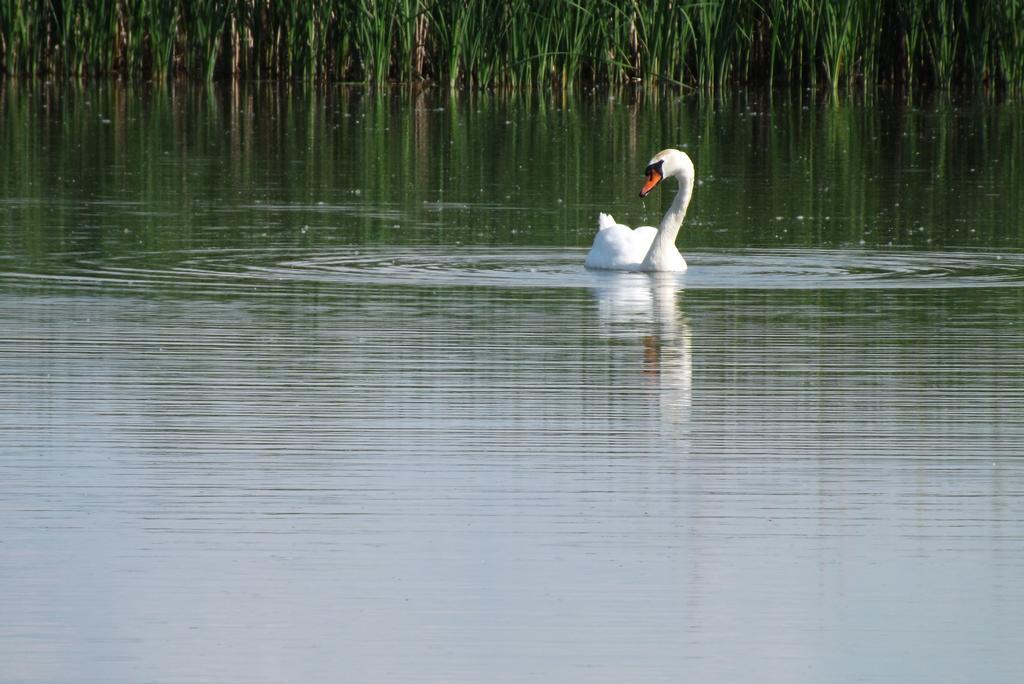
(312,386)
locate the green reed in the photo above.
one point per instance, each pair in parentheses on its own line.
(524,43)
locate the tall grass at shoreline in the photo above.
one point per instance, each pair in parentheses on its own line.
(523,43)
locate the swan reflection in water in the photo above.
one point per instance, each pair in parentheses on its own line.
(643,307)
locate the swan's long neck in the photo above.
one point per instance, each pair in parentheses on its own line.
(663,250)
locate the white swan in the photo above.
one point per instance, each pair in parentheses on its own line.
(618,248)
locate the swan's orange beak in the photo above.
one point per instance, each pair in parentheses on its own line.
(653,178)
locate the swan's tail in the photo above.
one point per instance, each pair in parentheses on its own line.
(605,221)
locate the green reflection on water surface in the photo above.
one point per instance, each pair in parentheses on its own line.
(109,169)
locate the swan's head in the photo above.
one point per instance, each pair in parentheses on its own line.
(665,164)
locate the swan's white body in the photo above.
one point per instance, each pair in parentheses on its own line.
(618,248)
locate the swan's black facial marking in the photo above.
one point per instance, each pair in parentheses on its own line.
(654,176)
(654,166)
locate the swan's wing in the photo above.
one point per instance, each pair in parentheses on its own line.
(610,249)
(617,247)
(645,235)
(605,221)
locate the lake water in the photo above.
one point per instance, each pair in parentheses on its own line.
(312,386)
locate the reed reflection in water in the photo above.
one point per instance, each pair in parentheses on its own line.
(127,169)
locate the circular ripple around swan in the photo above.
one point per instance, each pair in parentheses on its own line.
(273,268)
(762,269)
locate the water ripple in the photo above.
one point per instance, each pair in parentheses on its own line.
(269,269)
